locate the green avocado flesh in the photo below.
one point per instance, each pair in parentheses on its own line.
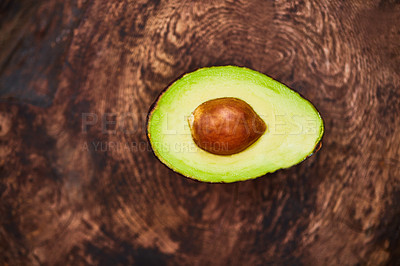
(294,126)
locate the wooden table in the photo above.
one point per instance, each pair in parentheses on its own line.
(73,194)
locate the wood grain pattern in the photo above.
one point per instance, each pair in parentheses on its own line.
(74,195)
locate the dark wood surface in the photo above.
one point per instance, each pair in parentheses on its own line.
(69,198)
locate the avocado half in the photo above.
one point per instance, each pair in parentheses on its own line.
(293,131)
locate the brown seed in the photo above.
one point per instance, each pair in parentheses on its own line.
(225,126)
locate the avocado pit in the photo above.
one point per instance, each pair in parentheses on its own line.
(225,126)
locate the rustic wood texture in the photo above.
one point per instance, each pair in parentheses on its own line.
(71,196)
